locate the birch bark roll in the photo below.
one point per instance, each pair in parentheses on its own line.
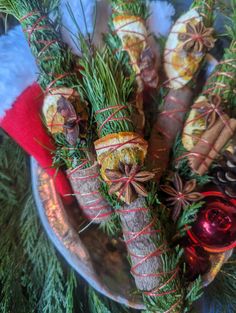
(168,125)
(141,240)
(86,185)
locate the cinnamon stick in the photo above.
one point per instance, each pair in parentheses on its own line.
(210,144)
(206,142)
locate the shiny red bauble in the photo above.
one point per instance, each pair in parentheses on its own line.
(215,227)
(197,260)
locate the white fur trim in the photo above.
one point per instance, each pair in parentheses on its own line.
(93,22)
(18,69)
(160,21)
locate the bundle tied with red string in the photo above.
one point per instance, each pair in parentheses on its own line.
(189,40)
(66,119)
(129,25)
(121,154)
(65,113)
(211,125)
(23,102)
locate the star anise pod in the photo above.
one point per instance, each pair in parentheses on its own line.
(147,65)
(197,37)
(72,122)
(128,181)
(210,109)
(181,194)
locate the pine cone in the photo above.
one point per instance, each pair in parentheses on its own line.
(225,174)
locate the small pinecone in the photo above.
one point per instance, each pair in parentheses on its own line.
(225,174)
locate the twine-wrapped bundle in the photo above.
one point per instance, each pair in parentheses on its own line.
(64,112)
(86,185)
(70,121)
(140,237)
(121,153)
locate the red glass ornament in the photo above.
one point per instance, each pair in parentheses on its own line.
(215,227)
(197,260)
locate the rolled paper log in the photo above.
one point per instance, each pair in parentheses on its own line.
(141,239)
(167,126)
(211,143)
(86,185)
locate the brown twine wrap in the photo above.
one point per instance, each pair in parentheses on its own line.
(168,124)
(141,237)
(86,184)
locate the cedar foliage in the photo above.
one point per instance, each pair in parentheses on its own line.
(105,86)
(31,274)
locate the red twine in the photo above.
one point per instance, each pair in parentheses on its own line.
(111,118)
(94,205)
(148,230)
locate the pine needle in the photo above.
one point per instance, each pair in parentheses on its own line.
(32,278)
(206,10)
(105,85)
(223,79)
(131,7)
(188,216)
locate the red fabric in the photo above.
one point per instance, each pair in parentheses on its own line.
(24,124)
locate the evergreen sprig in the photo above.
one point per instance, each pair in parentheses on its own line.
(131,7)
(206,10)
(195,292)
(187,217)
(223,79)
(32,278)
(56,63)
(52,55)
(105,85)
